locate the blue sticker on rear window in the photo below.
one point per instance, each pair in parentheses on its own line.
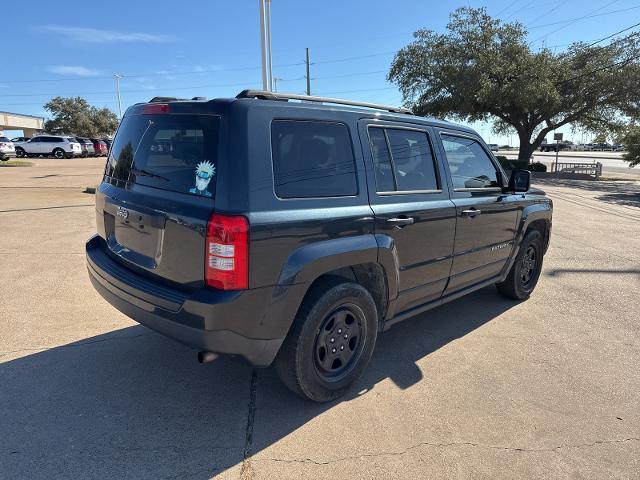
(204,173)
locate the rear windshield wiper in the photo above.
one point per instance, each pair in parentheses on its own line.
(145,173)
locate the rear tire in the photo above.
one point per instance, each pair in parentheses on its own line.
(526,268)
(330,342)
(59,153)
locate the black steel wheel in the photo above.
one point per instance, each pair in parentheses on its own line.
(524,273)
(528,266)
(338,344)
(330,342)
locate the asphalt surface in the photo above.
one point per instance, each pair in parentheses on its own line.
(483,387)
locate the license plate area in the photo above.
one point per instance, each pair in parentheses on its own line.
(135,235)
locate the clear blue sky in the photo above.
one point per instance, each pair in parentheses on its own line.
(212,48)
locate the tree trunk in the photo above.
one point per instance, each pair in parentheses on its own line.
(526,148)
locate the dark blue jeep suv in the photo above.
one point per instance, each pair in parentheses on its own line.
(292,230)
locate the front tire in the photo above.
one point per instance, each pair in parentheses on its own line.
(59,153)
(330,342)
(526,268)
(20,153)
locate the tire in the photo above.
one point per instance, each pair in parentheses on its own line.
(20,153)
(59,153)
(309,362)
(525,272)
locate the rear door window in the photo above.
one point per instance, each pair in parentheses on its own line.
(312,159)
(403,160)
(170,152)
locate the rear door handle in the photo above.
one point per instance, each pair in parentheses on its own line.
(470,213)
(400,222)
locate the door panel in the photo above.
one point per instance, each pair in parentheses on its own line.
(486,218)
(421,221)
(483,240)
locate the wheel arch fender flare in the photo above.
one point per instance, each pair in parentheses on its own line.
(531,213)
(309,262)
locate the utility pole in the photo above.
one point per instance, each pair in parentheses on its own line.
(118,77)
(275,83)
(308,74)
(265,43)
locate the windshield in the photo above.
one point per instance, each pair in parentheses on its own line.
(4,139)
(171,152)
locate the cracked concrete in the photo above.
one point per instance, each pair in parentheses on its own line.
(444,445)
(481,388)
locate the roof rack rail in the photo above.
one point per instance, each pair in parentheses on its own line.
(266,95)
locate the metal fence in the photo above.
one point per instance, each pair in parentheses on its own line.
(594,169)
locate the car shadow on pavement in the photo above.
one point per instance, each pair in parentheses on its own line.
(133,404)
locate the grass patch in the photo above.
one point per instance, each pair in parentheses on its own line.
(619,179)
(16,163)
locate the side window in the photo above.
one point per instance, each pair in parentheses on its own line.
(312,159)
(381,161)
(410,164)
(470,165)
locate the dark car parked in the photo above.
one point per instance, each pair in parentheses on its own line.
(294,232)
(87,147)
(100,147)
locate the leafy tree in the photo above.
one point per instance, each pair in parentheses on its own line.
(600,138)
(484,69)
(631,141)
(76,117)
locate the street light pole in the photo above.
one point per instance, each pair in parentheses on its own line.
(118,77)
(265,43)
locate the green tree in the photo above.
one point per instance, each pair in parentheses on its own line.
(75,116)
(600,138)
(631,142)
(484,69)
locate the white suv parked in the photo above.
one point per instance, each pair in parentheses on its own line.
(46,145)
(7,149)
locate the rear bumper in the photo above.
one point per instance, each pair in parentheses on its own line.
(200,319)
(7,154)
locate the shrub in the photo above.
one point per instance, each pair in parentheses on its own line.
(537,167)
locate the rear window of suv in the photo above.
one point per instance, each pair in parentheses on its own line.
(170,152)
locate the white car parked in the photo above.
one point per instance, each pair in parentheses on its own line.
(7,149)
(49,145)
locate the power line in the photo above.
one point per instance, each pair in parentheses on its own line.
(150,74)
(623,63)
(545,14)
(614,34)
(507,7)
(192,87)
(577,19)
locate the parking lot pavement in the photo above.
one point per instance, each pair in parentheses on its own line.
(483,387)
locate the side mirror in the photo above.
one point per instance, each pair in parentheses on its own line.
(520,181)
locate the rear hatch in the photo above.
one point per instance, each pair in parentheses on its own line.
(158,193)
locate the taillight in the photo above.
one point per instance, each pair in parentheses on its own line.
(227,252)
(155,108)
